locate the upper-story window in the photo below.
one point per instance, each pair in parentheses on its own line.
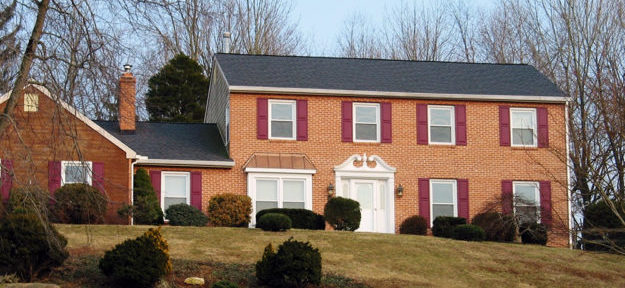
(366,122)
(282,119)
(523,126)
(441,124)
(526,201)
(76,172)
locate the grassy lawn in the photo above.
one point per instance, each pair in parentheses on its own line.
(375,260)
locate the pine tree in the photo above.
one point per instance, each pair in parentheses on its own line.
(146,208)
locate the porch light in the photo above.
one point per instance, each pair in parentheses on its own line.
(330,189)
(400,190)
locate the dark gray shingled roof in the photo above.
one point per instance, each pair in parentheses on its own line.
(385,75)
(173,141)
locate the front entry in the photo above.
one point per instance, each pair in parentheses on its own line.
(372,198)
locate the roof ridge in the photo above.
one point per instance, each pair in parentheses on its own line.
(157,122)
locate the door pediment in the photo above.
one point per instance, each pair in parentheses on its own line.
(364,163)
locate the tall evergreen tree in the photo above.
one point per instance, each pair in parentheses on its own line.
(178,92)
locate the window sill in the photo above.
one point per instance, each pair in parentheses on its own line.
(368,143)
(283,140)
(524,148)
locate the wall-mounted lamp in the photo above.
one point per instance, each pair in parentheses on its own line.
(330,189)
(400,190)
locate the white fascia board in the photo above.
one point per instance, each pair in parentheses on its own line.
(277,170)
(185,163)
(387,94)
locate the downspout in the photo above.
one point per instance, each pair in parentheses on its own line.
(568,175)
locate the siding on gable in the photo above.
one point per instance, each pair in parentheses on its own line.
(218,102)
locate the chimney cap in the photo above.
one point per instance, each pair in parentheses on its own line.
(127,67)
(226,34)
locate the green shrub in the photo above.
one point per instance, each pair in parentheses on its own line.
(415,225)
(468,232)
(343,214)
(185,215)
(533,233)
(30,198)
(138,262)
(498,227)
(444,225)
(300,218)
(274,222)
(600,223)
(80,203)
(296,264)
(29,247)
(224,284)
(146,208)
(229,210)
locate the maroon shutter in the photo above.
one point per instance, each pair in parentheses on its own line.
(422,124)
(506,196)
(504,126)
(196,190)
(54,176)
(7,180)
(302,120)
(346,121)
(543,127)
(463,199)
(545,203)
(155,178)
(97,177)
(424,199)
(262,112)
(387,122)
(461,125)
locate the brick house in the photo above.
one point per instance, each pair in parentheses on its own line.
(402,138)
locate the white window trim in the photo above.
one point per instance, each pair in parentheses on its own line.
(454,197)
(251,189)
(31,102)
(377,123)
(452,126)
(293,118)
(76,163)
(536,196)
(175,173)
(534,129)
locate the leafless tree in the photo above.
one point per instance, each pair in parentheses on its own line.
(359,39)
(9,46)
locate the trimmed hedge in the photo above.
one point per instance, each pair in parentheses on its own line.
(185,215)
(296,264)
(229,210)
(443,226)
(533,233)
(80,203)
(274,222)
(415,225)
(343,214)
(300,218)
(498,227)
(468,232)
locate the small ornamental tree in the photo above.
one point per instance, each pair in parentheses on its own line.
(343,214)
(146,209)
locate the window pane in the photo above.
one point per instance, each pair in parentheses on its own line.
(440,117)
(366,114)
(365,195)
(262,205)
(172,201)
(281,111)
(293,191)
(76,173)
(525,194)
(293,205)
(442,210)
(522,119)
(522,136)
(175,186)
(527,213)
(440,134)
(366,132)
(442,193)
(267,190)
(282,129)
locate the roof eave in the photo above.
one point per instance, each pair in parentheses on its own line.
(185,163)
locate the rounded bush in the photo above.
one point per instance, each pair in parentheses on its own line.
(296,264)
(468,232)
(415,225)
(31,198)
(28,246)
(230,210)
(185,215)
(343,214)
(533,233)
(498,227)
(139,262)
(80,203)
(300,218)
(600,223)
(274,222)
(443,226)
(224,284)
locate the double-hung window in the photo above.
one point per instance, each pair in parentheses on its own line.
(175,188)
(366,122)
(523,127)
(526,201)
(76,172)
(282,119)
(443,195)
(441,124)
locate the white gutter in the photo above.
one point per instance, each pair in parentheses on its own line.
(185,163)
(568,175)
(387,94)
(279,170)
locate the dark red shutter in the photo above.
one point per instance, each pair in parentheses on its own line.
(506,196)
(422,124)
(543,127)
(302,120)
(54,176)
(545,203)
(504,126)
(6,178)
(196,190)
(461,125)
(97,177)
(346,121)
(387,122)
(262,112)
(424,199)
(155,178)
(463,198)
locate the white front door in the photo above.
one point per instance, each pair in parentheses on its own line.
(372,198)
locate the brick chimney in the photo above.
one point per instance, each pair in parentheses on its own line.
(127,91)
